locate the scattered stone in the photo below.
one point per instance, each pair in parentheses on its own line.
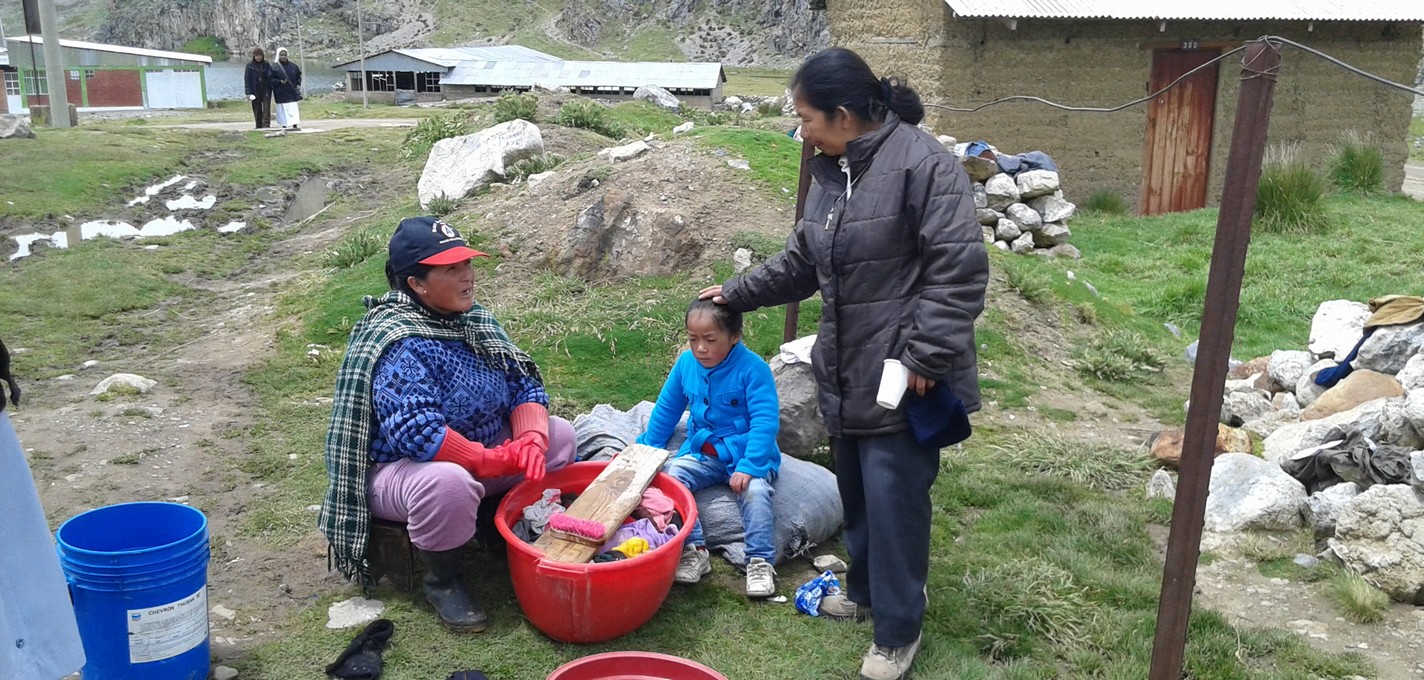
(1336,328)
(1001,192)
(1247,493)
(1166,446)
(628,152)
(1286,366)
(1305,561)
(1357,388)
(1306,391)
(1323,508)
(1001,245)
(1377,537)
(1237,407)
(738,164)
(1024,216)
(947,141)
(1249,369)
(1035,183)
(1050,235)
(1391,347)
(1022,244)
(831,562)
(15,127)
(980,169)
(1162,485)
(127,380)
(538,178)
(224,673)
(354,612)
(802,429)
(1006,229)
(460,165)
(1411,377)
(66,377)
(224,613)
(684,128)
(658,96)
(1285,402)
(741,260)
(1067,250)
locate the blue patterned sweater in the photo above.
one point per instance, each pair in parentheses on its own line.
(422,385)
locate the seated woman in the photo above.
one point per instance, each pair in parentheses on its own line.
(435,410)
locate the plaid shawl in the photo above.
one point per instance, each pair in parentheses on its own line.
(345,518)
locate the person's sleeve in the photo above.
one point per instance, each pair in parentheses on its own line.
(954,266)
(672,401)
(247,75)
(788,276)
(525,389)
(764,408)
(298,81)
(407,401)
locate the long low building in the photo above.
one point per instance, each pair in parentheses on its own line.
(107,77)
(433,74)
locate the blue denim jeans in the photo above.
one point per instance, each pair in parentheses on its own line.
(699,472)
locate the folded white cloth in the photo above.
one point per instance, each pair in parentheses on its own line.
(798,351)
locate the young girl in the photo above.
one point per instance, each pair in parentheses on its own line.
(731,435)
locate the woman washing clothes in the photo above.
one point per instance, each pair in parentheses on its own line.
(435,411)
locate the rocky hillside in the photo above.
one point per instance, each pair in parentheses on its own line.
(736,32)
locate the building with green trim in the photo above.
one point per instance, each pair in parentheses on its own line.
(102,77)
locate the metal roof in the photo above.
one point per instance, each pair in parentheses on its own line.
(448,57)
(1203,10)
(117,49)
(689,75)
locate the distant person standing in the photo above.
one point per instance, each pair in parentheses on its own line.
(288,90)
(257,81)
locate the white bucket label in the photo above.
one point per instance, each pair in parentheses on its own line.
(167,630)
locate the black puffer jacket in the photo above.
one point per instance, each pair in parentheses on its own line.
(258,78)
(902,270)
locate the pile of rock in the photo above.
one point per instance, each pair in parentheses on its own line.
(1023,213)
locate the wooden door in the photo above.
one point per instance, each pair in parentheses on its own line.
(1178,148)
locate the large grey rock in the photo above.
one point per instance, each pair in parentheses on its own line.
(1380,535)
(987,217)
(1411,377)
(1052,208)
(684,128)
(15,127)
(1370,418)
(1051,234)
(1247,493)
(1023,244)
(1306,391)
(1416,461)
(1391,347)
(1239,407)
(1035,183)
(979,169)
(1024,216)
(124,381)
(1162,485)
(1323,508)
(802,429)
(1067,250)
(1001,192)
(1007,230)
(459,165)
(1336,327)
(657,95)
(618,237)
(628,152)
(981,199)
(1414,409)
(1268,424)
(1286,367)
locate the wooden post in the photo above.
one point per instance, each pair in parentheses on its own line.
(793,310)
(1223,296)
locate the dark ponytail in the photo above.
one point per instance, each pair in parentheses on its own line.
(838,77)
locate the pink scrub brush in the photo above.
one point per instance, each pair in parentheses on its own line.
(585,531)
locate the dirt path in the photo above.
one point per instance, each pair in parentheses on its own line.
(318,125)
(1414,180)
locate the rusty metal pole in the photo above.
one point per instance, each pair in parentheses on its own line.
(793,310)
(1223,296)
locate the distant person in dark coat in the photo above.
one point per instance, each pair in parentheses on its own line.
(257,81)
(288,90)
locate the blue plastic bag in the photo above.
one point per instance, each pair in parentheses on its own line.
(808,596)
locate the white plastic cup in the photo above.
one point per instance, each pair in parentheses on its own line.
(894,380)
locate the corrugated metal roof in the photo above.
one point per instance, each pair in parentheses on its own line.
(1203,10)
(448,57)
(691,75)
(117,49)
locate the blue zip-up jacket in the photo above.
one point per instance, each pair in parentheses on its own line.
(733,405)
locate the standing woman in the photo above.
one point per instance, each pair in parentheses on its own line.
(890,241)
(288,91)
(257,81)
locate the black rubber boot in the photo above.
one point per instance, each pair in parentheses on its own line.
(445,592)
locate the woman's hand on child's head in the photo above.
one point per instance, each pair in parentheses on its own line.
(740,481)
(714,292)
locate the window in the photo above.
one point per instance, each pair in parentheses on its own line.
(381,81)
(39,83)
(74,75)
(428,82)
(12,83)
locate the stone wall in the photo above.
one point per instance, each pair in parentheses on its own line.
(958,61)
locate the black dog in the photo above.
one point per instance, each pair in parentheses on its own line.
(7,378)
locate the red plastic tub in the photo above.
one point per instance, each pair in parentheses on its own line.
(584,603)
(634,666)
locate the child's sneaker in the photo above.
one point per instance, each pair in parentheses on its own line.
(761,578)
(694,564)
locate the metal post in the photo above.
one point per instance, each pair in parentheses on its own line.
(54,66)
(361,40)
(793,310)
(298,11)
(1223,295)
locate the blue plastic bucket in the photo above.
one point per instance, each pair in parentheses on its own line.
(138,575)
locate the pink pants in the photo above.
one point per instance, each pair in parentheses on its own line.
(439,501)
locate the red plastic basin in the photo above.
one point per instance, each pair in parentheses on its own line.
(634,666)
(584,603)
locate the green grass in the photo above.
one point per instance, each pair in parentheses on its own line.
(1356,599)
(1104,201)
(76,179)
(590,115)
(775,159)
(512,106)
(644,118)
(1290,198)
(756,82)
(428,131)
(207,45)
(1358,165)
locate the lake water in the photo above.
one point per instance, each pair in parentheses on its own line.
(225,79)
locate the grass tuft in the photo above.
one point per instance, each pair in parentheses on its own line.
(1020,598)
(1291,196)
(516,106)
(1357,599)
(1117,355)
(523,168)
(1358,165)
(358,248)
(1104,201)
(1094,465)
(431,130)
(590,115)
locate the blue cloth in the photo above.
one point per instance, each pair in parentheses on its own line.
(937,419)
(422,385)
(1029,160)
(732,406)
(1327,377)
(758,521)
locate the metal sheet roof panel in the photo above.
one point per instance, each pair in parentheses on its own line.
(690,75)
(1201,10)
(448,57)
(117,49)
